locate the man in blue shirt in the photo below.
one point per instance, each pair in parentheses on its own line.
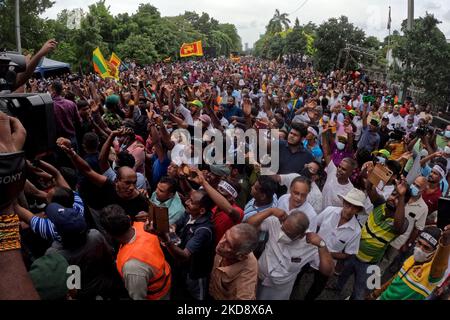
(230,109)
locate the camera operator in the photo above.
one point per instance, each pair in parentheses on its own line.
(15,282)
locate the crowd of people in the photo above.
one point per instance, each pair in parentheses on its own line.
(235,234)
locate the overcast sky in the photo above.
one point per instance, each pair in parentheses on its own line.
(251,16)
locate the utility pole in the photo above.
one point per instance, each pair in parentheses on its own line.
(410,14)
(410,24)
(18,42)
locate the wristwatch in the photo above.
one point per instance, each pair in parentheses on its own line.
(322,244)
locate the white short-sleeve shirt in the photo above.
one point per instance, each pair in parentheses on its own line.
(416,214)
(339,239)
(314,196)
(332,188)
(306,208)
(280,262)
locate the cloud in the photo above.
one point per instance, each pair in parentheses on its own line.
(446,16)
(432,6)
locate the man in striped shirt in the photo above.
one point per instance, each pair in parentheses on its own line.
(384,224)
(423,271)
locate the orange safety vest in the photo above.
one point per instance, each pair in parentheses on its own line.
(146,248)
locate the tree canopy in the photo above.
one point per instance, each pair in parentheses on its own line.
(144,36)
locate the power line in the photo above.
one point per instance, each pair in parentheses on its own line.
(301,6)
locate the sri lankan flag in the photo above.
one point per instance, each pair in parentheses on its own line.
(191,49)
(114,64)
(100,64)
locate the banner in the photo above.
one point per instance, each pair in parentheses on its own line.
(191,49)
(100,64)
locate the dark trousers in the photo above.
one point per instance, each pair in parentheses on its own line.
(353,266)
(319,283)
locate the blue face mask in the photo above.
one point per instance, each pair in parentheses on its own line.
(447,134)
(381,160)
(340,145)
(415,192)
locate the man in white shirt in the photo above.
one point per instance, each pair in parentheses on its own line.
(295,200)
(287,250)
(396,120)
(416,211)
(313,171)
(338,182)
(340,230)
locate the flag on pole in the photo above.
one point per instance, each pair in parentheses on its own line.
(389,19)
(115,63)
(191,49)
(100,65)
(115,60)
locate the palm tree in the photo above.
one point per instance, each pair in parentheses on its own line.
(278,21)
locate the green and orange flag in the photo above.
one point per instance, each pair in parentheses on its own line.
(100,64)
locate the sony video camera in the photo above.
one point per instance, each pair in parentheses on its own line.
(35,111)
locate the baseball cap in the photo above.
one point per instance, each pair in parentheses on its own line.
(196,103)
(375,122)
(431,234)
(66,220)
(112,99)
(385,153)
(220,170)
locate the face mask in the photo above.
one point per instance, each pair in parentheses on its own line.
(447,150)
(447,134)
(340,145)
(325,118)
(420,255)
(415,192)
(381,160)
(283,238)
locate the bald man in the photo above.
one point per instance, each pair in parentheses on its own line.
(122,191)
(288,249)
(416,212)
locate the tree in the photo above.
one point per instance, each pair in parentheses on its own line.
(277,23)
(231,31)
(425,55)
(372,43)
(296,41)
(332,36)
(140,48)
(34,32)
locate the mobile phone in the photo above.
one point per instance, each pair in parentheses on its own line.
(160,218)
(174,238)
(443,215)
(380,176)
